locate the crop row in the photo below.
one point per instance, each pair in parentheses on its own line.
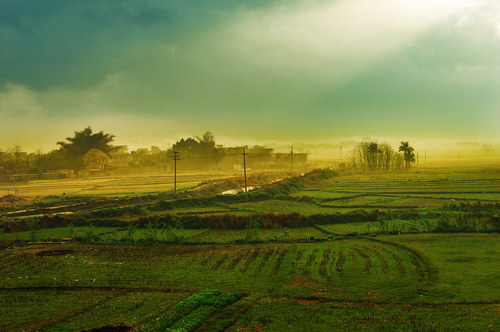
(190,313)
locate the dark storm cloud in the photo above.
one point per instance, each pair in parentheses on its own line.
(77,43)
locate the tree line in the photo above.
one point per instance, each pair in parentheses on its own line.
(370,155)
(93,150)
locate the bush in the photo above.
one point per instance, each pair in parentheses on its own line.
(89,235)
(33,227)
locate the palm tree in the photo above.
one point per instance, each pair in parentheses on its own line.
(77,146)
(408,154)
(85,140)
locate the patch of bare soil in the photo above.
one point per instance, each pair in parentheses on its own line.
(303,281)
(11,200)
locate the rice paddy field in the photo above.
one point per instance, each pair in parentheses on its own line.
(322,251)
(116,186)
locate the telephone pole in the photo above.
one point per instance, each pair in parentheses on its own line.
(175,157)
(417,158)
(245,172)
(341,154)
(425,157)
(291,159)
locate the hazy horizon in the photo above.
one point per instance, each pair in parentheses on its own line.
(258,72)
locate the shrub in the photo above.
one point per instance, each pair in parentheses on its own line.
(70,229)
(33,227)
(89,235)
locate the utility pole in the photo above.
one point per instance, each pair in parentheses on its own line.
(425,157)
(291,159)
(417,158)
(245,172)
(341,154)
(175,157)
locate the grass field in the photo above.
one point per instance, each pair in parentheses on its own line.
(116,186)
(395,275)
(365,251)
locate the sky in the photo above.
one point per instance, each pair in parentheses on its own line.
(250,71)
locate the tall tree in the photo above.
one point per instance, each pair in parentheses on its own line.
(207,139)
(84,141)
(198,153)
(408,154)
(209,149)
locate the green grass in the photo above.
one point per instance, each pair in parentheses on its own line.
(363,281)
(467,264)
(353,227)
(116,186)
(80,309)
(321,194)
(191,312)
(393,201)
(391,271)
(242,235)
(151,234)
(283,206)
(311,315)
(291,279)
(56,233)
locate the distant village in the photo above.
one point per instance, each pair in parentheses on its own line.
(17,165)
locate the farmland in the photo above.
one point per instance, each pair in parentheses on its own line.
(327,249)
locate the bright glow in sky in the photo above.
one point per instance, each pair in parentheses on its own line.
(251,71)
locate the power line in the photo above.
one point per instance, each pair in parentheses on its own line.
(175,157)
(245,172)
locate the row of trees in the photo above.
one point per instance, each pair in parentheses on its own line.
(382,156)
(93,150)
(87,149)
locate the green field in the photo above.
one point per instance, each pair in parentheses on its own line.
(398,251)
(394,275)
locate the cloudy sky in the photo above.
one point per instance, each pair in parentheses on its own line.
(249,70)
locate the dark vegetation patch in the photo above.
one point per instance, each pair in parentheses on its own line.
(109,328)
(466,259)
(190,313)
(13,199)
(59,252)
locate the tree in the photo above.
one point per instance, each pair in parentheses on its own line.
(12,161)
(51,161)
(372,152)
(208,147)
(372,155)
(198,153)
(207,139)
(408,154)
(487,148)
(94,159)
(187,146)
(84,141)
